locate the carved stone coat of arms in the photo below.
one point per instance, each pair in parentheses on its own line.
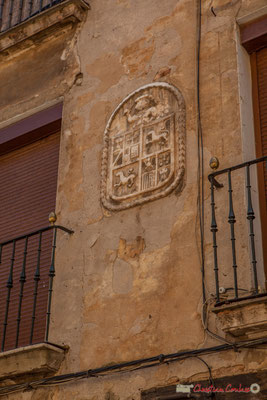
(144,147)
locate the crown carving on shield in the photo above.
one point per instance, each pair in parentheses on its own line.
(144,101)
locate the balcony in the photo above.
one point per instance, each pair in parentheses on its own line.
(24,19)
(240,293)
(27,274)
(14,12)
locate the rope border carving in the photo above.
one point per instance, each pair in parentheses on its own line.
(180,121)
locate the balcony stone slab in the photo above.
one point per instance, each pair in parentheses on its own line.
(51,21)
(245,319)
(36,361)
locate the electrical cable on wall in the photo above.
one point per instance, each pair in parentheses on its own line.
(200,174)
(130,366)
(200,179)
(160,359)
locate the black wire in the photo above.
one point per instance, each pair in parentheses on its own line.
(200,200)
(209,368)
(210,374)
(118,368)
(161,359)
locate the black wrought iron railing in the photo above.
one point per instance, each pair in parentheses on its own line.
(239,292)
(27,271)
(14,12)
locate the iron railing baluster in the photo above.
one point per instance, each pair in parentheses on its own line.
(254,292)
(22,282)
(238,166)
(51,278)
(14,250)
(14,12)
(251,217)
(232,221)
(214,230)
(21,5)
(9,287)
(30,8)
(1,13)
(34,233)
(36,283)
(10,13)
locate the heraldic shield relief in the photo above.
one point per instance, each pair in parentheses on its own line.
(144,153)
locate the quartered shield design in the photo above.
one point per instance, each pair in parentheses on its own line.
(144,147)
(142,158)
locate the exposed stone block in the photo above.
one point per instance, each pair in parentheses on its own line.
(38,360)
(39,26)
(245,319)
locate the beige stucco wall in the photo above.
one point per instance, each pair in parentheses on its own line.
(128,283)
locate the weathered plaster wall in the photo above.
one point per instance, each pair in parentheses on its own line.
(128,386)
(137,293)
(128,283)
(34,76)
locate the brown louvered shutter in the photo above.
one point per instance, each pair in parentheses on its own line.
(259,79)
(28,183)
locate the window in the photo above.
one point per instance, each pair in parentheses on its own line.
(254,39)
(29,155)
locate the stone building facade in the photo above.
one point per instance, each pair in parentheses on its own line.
(144,94)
